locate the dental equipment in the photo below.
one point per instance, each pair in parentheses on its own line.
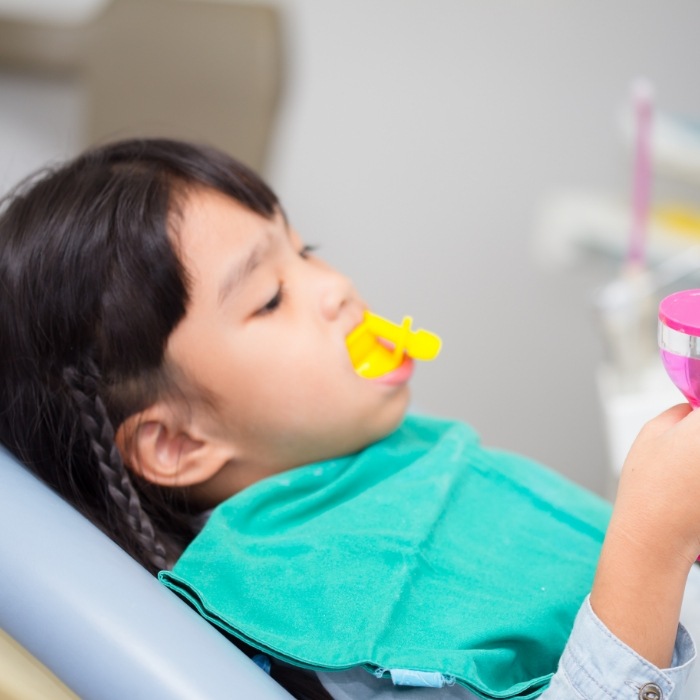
(378,346)
(679,341)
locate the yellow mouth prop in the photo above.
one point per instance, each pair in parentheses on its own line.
(373,358)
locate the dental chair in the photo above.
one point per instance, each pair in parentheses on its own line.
(95,618)
(77,613)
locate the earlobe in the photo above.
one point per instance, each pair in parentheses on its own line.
(165,449)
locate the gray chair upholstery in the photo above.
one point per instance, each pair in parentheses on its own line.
(96,618)
(68,595)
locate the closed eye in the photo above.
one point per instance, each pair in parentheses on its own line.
(280,295)
(274,303)
(306,251)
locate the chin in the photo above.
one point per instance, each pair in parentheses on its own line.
(391,417)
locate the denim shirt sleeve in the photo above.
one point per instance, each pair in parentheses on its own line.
(596,665)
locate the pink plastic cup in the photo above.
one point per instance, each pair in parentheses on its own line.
(679,341)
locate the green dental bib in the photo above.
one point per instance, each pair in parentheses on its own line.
(425,552)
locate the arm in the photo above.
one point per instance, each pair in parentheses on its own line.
(596,664)
(628,631)
(653,538)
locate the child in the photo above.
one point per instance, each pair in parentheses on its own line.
(168,342)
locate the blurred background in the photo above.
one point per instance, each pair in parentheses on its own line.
(465,161)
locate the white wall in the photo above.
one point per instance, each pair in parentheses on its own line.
(42,119)
(41,122)
(418,139)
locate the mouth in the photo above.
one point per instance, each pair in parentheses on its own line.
(382,350)
(372,356)
(400,375)
(402,372)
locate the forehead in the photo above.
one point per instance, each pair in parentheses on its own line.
(206,215)
(211,227)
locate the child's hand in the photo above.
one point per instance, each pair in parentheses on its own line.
(658,499)
(654,536)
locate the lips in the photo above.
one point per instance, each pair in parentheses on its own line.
(398,376)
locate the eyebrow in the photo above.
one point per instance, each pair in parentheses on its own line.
(241,270)
(238,273)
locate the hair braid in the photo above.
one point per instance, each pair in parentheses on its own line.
(92,288)
(84,387)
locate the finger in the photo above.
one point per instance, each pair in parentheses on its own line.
(668,419)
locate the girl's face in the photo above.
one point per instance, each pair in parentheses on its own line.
(264,341)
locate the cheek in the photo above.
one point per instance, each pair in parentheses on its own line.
(299,389)
(301,396)
(280,379)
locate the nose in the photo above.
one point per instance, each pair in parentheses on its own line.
(337,292)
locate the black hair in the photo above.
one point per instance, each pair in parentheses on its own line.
(90,290)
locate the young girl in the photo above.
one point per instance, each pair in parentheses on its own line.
(169,342)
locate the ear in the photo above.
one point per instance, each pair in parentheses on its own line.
(166,447)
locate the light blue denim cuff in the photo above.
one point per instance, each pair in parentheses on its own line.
(596,665)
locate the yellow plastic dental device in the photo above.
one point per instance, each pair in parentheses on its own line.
(373,358)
